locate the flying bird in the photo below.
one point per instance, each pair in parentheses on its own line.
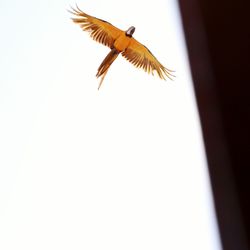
(120,42)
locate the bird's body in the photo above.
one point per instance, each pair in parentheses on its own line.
(120,42)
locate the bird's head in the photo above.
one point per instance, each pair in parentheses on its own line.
(130,31)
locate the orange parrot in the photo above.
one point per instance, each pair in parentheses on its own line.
(119,42)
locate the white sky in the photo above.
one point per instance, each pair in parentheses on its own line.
(119,168)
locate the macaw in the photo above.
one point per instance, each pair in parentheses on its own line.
(119,41)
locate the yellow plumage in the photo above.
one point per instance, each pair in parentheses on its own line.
(119,42)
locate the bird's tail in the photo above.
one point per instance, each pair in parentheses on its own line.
(103,68)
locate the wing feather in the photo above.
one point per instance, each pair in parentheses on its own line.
(141,57)
(100,30)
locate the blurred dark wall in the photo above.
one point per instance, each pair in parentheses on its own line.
(218,41)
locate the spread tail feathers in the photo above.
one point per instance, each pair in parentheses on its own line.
(103,68)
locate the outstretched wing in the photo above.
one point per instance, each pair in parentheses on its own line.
(100,30)
(141,57)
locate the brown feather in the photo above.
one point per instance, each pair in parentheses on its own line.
(100,30)
(141,57)
(103,68)
(108,35)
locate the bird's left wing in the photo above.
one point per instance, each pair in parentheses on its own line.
(141,57)
(100,30)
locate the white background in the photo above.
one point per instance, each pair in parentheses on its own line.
(119,168)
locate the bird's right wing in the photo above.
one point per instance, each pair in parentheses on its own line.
(141,57)
(100,30)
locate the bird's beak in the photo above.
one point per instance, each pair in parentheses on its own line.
(130,31)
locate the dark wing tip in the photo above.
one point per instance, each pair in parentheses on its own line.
(76,11)
(169,73)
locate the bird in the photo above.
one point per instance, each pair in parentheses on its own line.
(120,42)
